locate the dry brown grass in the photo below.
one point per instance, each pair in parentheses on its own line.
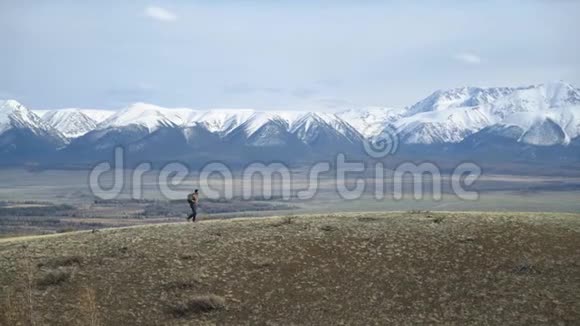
(286,220)
(183,284)
(29,292)
(198,304)
(88,308)
(54,277)
(379,268)
(17,306)
(62,261)
(10,313)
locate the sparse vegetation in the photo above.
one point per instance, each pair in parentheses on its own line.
(287,220)
(54,277)
(187,256)
(31,217)
(198,304)
(63,261)
(418,211)
(208,206)
(368,219)
(183,284)
(89,310)
(328,228)
(359,268)
(438,219)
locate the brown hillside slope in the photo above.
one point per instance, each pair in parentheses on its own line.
(351,269)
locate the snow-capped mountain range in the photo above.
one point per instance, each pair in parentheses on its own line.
(14,115)
(541,115)
(23,133)
(450,116)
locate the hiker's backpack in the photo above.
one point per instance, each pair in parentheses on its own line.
(190,198)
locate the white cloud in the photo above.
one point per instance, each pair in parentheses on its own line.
(160,14)
(469,58)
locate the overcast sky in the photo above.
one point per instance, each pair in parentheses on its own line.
(278,54)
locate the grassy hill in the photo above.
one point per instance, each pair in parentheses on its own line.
(349,269)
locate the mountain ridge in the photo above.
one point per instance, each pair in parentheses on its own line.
(538,115)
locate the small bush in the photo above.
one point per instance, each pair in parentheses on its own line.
(285,221)
(187,257)
(199,304)
(64,261)
(54,277)
(328,228)
(438,220)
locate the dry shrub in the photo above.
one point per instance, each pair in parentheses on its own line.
(54,277)
(187,257)
(199,304)
(285,221)
(328,228)
(438,220)
(63,261)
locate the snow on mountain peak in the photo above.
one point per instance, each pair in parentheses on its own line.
(458,97)
(71,123)
(370,121)
(15,115)
(451,115)
(258,119)
(544,132)
(11,105)
(145,115)
(220,120)
(445,116)
(10,108)
(560,94)
(95,114)
(307,121)
(526,103)
(306,127)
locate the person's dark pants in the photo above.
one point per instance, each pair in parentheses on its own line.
(193,211)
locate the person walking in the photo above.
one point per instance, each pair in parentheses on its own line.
(193,199)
